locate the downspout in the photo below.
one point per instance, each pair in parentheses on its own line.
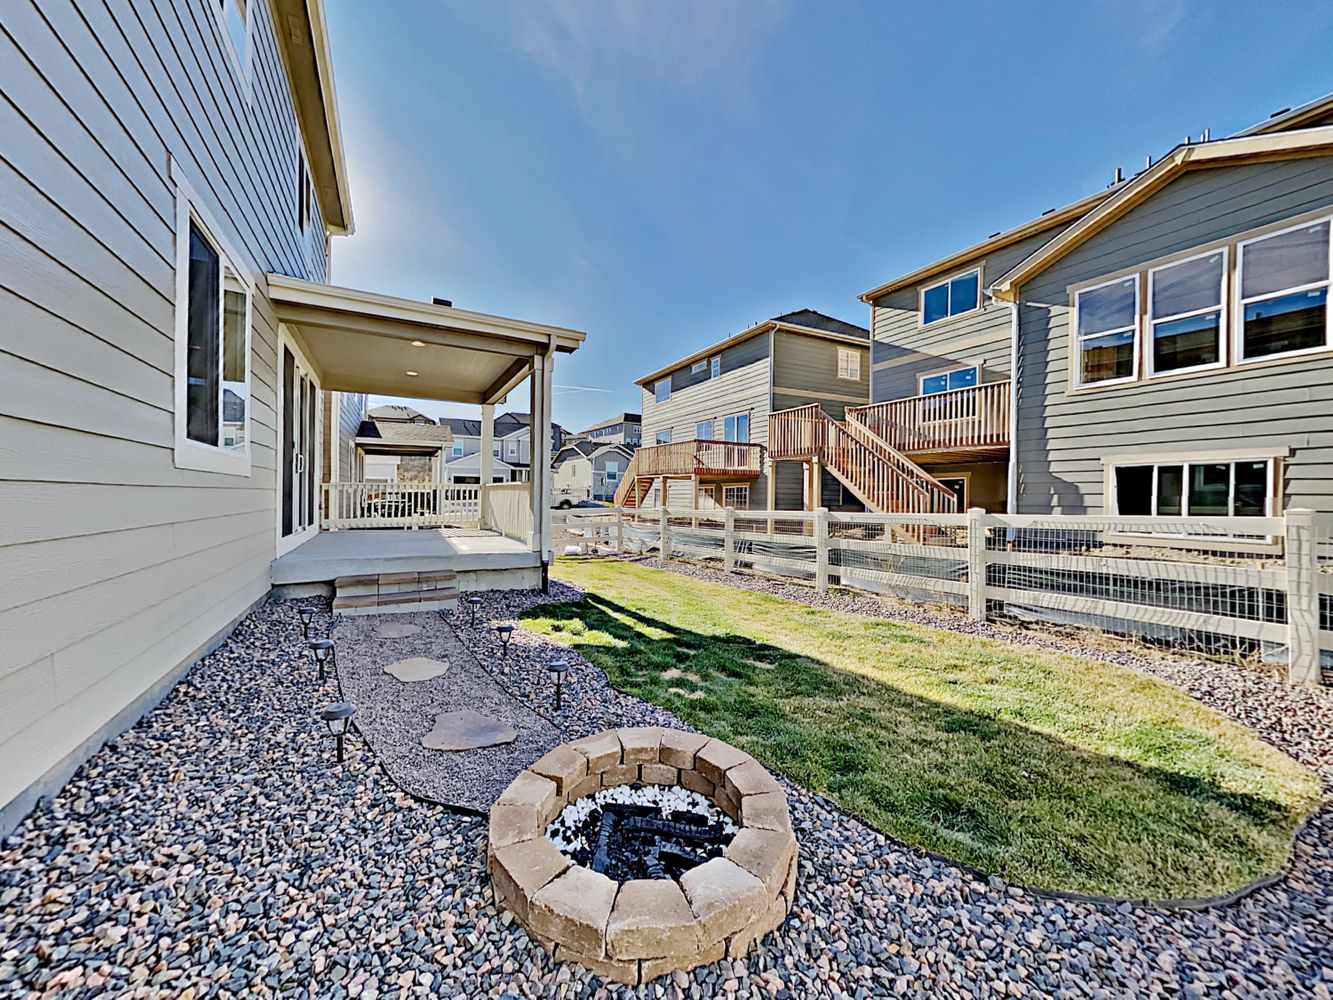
(1011,492)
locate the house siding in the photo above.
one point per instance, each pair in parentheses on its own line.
(1063,435)
(805,370)
(904,350)
(119,567)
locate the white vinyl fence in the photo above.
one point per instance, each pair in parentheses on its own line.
(1252,587)
(400,505)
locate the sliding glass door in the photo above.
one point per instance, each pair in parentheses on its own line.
(299,507)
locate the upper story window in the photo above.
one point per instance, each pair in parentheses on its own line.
(234,18)
(957,295)
(698,366)
(662,389)
(302,194)
(849,364)
(612,470)
(715,366)
(1185,313)
(664,437)
(703,430)
(212,332)
(1284,302)
(736,428)
(458,448)
(1106,319)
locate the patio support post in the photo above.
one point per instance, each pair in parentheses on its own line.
(729,540)
(976,564)
(821,550)
(1302,598)
(485,463)
(539,433)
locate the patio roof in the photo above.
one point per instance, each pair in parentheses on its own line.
(366,342)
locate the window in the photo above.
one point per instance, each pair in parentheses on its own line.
(662,390)
(1284,282)
(235,20)
(736,496)
(715,366)
(1106,320)
(960,294)
(703,430)
(664,437)
(954,407)
(495,448)
(1194,489)
(736,428)
(698,366)
(957,378)
(212,332)
(612,471)
(458,448)
(302,194)
(1185,314)
(849,364)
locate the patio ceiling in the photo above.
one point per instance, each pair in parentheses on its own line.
(365,342)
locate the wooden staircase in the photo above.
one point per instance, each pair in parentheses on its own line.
(395,593)
(633,486)
(876,473)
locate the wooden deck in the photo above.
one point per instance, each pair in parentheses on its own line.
(482,559)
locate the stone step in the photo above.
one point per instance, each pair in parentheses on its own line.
(400,602)
(394,583)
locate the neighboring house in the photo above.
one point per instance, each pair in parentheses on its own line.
(1170,335)
(173,173)
(591,469)
(511,447)
(706,416)
(626,428)
(400,444)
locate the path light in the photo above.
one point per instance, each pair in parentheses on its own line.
(307,615)
(504,632)
(338,717)
(473,603)
(324,653)
(558,671)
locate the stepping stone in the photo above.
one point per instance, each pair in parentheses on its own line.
(467,730)
(418,668)
(396,630)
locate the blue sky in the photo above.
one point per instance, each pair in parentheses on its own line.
(664,174)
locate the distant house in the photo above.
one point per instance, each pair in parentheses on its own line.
(511,448)
(706,416)
(624,428)
(399,444)
(591,469)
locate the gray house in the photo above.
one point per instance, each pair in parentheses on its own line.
(590,469)
(706,416)
(624,428)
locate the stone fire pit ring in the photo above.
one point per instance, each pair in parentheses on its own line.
(635,931)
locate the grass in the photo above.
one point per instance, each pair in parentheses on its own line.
(1045,769)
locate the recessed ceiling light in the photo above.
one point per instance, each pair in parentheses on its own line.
(413,374)
(418,343)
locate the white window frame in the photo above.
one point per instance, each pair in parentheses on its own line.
(242,65)
(730,487)
(715,366)
(190,454)
(735,418)
(1239,332)
(921,379)
(1079,338)
(700,423)
(1271,461)
(949,313)
(457,448)
(658,436)
(1151,320)
(698,366)
(657,387)
(852,358)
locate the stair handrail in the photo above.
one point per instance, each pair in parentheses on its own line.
(628,481)
(940,494)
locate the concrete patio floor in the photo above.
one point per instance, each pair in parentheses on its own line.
(332,554)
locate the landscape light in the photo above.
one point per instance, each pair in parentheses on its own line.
(558,671)
(504,632)
(307,615)
(473,603)
(324,653)
(338,717)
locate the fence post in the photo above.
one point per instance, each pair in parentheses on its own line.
(620,532)
(976,564)
(1302,598)
(821,550)
(729,539)
(664,534)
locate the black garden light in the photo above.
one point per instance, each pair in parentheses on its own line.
(473,603)
(504,632)
(307,615)
(325,654)
(338,717)
(557,671)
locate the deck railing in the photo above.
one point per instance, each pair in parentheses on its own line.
(400,505)
(957,420)
(507,508)
(700,458)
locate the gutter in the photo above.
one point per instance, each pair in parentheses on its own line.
(1011,491)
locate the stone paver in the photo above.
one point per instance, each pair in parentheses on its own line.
(467,730)
(416,669)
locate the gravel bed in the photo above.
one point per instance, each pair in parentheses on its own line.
(216,848)
(392,715)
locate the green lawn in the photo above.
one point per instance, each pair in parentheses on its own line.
(1042,768)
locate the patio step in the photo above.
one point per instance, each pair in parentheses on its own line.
(390,593)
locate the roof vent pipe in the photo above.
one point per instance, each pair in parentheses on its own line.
(447,303)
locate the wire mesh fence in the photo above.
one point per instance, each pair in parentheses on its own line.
(1259,588)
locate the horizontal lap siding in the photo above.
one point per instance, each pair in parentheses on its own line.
(805,370)
(1062,436)
(903,349)
(118,565)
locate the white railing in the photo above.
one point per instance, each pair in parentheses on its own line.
(1256,587)
(507,508)
(400,505)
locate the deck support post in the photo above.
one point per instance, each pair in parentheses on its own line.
(1302,598)
(484,463)
(771,502)
(821,549)
(976,564)
(729,539)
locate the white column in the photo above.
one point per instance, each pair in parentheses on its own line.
(1302,598)
(484,458)
(821,549)
(729,540)
(540,467)
(976,564)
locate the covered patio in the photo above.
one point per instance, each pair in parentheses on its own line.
(349,341)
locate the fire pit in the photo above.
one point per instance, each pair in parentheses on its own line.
(640,851)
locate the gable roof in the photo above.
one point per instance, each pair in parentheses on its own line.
(623,418)
(1312,113)
(1223,152)
(404,432)
(828,328)
(396,411)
